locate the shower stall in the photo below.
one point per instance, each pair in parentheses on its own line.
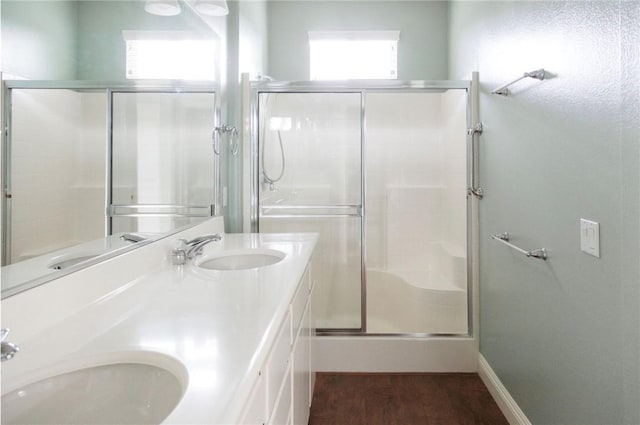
(381,171)
(86,160)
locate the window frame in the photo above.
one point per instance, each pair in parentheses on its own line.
(207,72)
(387,71)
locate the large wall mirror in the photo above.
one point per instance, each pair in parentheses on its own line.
(109,143)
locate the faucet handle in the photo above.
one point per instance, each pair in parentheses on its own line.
(8,349)
(179,253)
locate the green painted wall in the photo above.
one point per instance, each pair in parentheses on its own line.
(101,48)
(39,39)
(67,40)
(422,50)
(562,335)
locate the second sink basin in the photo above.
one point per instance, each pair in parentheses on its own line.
(241,259)
(122,393)
(67,260)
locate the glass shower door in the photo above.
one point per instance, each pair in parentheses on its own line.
(163,164)
(54,171)
(309,148)
(416,231)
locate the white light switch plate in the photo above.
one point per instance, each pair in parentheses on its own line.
(590,237)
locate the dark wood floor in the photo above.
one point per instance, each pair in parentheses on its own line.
(403,399)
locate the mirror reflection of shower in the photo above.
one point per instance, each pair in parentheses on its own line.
(277,125)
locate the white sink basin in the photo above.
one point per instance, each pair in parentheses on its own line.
(123,393)
(61,262)
(241,259)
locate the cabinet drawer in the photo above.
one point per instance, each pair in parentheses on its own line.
(301,369)
(282,410)
(278,362)
(298,304)
(255,412)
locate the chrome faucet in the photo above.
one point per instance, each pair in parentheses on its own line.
(8,349)
(133,237)
(194,246)
(188,250)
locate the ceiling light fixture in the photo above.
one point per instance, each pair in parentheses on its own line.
(162,7)
(212,7)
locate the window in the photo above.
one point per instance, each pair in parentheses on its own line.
(344,55)
(169,55)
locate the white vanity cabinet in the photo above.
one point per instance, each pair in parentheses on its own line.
(283,389)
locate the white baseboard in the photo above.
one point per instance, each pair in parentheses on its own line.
(506,403)
(395,354)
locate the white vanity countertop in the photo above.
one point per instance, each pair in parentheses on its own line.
(211,327)
(41,265)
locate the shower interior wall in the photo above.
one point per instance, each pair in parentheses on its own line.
(416,213)
(161,154)
(58,169)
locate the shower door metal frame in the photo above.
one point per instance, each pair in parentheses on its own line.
(363,87)
(161,210)
(85,85)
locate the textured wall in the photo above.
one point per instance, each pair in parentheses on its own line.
(562,335)
(422,25)
(39,39)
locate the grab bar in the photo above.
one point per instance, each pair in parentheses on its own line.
(535,253)
(473,188)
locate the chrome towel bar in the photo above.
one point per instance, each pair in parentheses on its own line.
(538,74)
(535,253)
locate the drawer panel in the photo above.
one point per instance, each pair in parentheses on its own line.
(298,304)
(255,412)
(282,411)
(278,362)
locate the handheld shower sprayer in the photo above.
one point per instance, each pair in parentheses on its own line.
(266,178)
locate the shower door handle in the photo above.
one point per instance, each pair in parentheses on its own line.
(161,210)
(310,211)
(473,188)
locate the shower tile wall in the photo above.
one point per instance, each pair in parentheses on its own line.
(52,164)
(320,135)
(403,175)
(416,171)
(321,138)
(162,154)
(91,175)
